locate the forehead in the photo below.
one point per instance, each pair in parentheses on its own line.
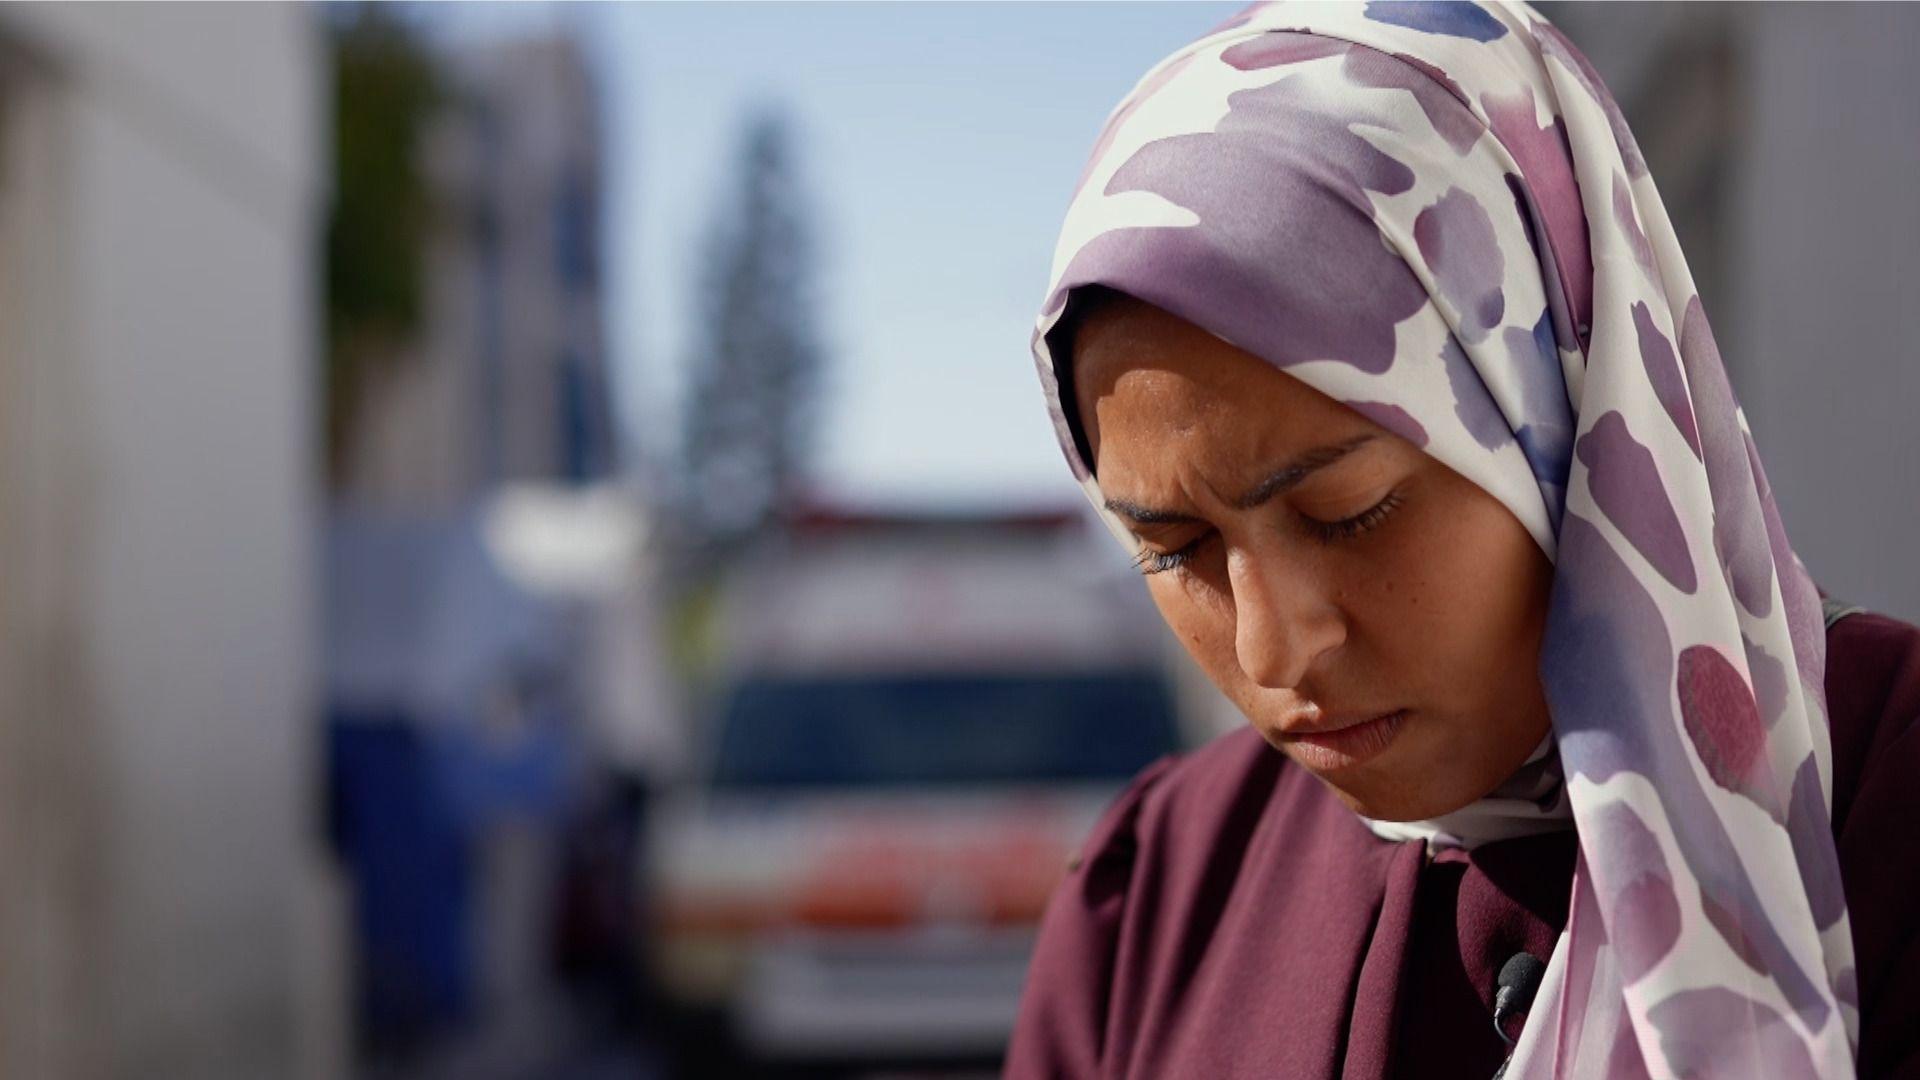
(1148,384)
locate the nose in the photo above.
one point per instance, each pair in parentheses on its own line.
(1283,621)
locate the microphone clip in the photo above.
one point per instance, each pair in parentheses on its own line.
(1514,989)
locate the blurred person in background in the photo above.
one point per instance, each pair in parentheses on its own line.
(1370,336)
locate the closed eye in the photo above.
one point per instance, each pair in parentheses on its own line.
(1348,528)
(1155,562)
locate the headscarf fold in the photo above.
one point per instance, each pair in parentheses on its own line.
(1435,214)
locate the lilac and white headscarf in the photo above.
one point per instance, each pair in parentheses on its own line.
(1434,213)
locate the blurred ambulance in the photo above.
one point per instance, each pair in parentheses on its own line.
(919,720)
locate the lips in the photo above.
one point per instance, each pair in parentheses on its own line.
(1323,721)
(1333,742)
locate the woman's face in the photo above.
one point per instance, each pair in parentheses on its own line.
(1375,615)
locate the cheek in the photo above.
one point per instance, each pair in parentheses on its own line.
(1468,592)
(1452,622)
(1202,621)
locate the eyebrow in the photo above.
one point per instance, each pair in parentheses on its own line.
(1278,481)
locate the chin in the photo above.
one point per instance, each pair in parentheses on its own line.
(1401,784)
(1392,805)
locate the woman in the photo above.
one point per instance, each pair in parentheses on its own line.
(1369,335)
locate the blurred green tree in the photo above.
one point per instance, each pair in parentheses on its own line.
(749,428)
(385,90)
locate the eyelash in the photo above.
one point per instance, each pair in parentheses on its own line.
(1153,562)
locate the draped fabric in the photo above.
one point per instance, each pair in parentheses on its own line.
(1435,214)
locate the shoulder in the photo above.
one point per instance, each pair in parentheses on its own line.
(1873,705)
(1218,795)
(1061,1028)
(1172,783)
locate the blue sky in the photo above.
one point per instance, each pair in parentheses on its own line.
(940,143)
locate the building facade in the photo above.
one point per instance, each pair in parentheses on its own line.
(165,907)
(1786,142)
(508,378)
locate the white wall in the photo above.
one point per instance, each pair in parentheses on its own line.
(1826,258)
(1819,266)
(162,497)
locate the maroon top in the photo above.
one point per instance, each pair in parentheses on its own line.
(1228,917)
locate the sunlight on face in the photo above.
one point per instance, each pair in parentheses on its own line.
(1375,615)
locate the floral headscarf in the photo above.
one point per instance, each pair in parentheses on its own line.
(1434,213)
